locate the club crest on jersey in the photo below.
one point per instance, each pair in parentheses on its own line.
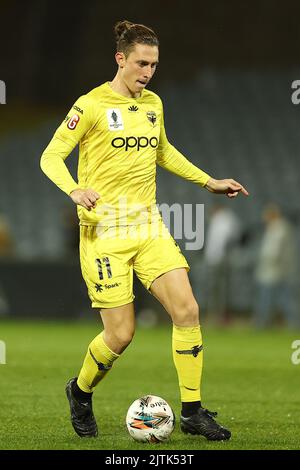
(115,121)
(151,115)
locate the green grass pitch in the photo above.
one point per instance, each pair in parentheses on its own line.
(248,378)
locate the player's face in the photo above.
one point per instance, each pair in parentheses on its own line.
(139,67)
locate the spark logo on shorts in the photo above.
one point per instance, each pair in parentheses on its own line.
(100,287)
(109,286)
(73,122)
(134,142)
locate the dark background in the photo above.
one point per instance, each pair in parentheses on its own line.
(53,50)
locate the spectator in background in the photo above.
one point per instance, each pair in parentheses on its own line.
(6,250)
(6,241)
(224,231)
(276,269)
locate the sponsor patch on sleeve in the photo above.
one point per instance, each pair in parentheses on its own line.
(73,122)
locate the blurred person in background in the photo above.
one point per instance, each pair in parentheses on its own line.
(6,239)
(6,251)
(224,232)
(276,270)
(120,128)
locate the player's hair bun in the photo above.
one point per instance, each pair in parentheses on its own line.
(121,27)
(128,34)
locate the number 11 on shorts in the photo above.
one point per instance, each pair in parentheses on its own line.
(103,263)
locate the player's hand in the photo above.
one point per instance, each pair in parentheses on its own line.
(229,187)
(86,198)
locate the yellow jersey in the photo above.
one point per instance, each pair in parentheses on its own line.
(121,140)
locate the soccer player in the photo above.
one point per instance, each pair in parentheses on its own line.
(120,130)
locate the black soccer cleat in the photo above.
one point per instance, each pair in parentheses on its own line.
(203,423)
(82,416)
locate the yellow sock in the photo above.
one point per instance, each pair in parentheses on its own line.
(98,361)
(188,358)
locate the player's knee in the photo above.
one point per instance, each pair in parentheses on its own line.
(123,338)
(187,314)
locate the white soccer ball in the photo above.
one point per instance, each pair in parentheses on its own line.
(150,419)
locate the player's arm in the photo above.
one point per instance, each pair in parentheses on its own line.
(77,123)
(171,159)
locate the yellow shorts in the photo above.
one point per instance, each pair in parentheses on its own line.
(109,255)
